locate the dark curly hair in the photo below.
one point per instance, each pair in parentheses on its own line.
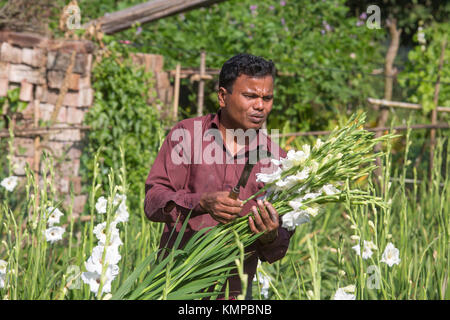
(247,64)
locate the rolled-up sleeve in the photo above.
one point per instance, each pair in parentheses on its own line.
(276,249)
(165,183)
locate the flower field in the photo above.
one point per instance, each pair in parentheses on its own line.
(358,250)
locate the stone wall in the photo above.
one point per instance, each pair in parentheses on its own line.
(39,66)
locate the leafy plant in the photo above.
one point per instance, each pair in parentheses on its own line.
(119,117)
(420,74)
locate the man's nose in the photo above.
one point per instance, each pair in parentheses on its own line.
(259,104)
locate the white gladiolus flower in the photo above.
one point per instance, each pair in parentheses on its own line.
(54,214)
(54,234)
(295,158)
(100,232)
(302,175)
(3,265)
(95,262)
(265,285)
(342,295)
(293,219)
(390,255)
(122,214)
(119,198)
(318,144)
(329,190)
(312,211)
(314,166)
(101,204)
(296,204)
(292,180)
(9,183)
(93,279)
(269,177)
(367,249)
(311,195)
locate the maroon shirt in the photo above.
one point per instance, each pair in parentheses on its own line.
(184,179)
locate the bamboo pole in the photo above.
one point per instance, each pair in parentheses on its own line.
(390,72)
(201,84)
(176,94)
(37,139)
(403,105)
(32,132)
(64,88)
(434,111)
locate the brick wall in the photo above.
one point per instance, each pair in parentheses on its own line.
(38,66)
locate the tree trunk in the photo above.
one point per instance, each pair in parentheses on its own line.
(390,72)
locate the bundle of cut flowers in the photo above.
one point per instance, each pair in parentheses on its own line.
(304,181)
(308,178)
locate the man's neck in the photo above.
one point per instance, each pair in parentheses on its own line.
(231,139)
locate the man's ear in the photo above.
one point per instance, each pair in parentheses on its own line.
(222,95)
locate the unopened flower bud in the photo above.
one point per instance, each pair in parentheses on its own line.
(355,237)
(350,288)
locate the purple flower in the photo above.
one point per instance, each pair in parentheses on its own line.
(250,37)
(363,16)
(326,25)
(271,8)
(283,22)
(253,7)
(252,25)
(322,32)
(282,3)
(359,23)
(138,30)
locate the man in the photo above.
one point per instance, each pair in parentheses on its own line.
(202,159)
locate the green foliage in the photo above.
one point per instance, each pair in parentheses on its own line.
(119,117)
(330,53)
(420,74)
(11,104)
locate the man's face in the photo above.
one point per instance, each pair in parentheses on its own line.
(248,106)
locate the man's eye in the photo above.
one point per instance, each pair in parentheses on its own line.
(268,98)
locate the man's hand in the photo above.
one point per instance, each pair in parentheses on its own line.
(266,222)
(220,206)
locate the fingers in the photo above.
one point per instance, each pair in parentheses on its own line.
(272,213)
(264,220)
(223,217)
(221,208)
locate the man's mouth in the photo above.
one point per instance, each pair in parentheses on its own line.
(256,118)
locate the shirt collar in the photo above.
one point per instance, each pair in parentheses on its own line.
(216,119)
